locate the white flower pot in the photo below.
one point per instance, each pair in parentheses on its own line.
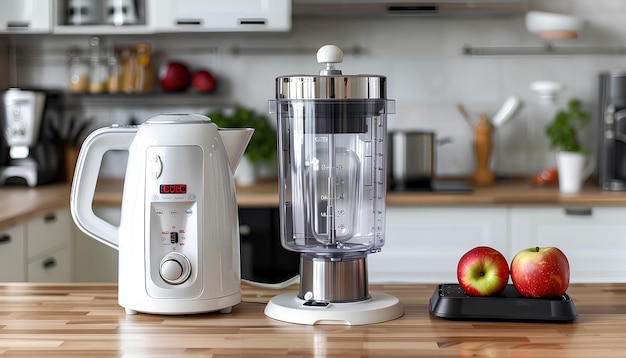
(574,169)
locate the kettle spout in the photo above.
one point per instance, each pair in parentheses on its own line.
(235,142)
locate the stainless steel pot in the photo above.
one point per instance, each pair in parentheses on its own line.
(411,159)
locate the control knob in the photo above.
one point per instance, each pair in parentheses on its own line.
(175,268)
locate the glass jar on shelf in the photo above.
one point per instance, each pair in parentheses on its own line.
(146,76)
(114,82)
(98,69)
(78,71)
(128,67)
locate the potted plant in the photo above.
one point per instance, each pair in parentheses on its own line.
(571,155)
(262,147)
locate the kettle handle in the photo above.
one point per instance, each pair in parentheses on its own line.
(86,176)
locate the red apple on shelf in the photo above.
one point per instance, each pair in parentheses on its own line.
(540,272)
(483,271)
(174,76)
(203,81)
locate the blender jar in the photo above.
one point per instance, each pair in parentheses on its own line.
(331,139)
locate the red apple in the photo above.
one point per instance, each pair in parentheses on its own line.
(174,76)
(483,271)
(540,272)
(203,81)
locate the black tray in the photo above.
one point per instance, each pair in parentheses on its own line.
(450,302)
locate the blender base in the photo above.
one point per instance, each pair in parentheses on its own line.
(380,307)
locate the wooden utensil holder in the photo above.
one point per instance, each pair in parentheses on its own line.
(482,149)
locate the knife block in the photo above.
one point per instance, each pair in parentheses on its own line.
(483,145)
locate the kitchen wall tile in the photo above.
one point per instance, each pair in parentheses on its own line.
(422,57)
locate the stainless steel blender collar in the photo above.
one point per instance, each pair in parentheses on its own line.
(331,87)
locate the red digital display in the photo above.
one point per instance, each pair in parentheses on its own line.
(173,188)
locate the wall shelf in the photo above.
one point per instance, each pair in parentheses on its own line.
(547,50)
(188,98)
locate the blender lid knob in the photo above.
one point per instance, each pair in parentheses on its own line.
(329,54)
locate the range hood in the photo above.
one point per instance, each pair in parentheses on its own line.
(417,8)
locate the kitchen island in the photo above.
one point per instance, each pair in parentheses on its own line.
(84,320)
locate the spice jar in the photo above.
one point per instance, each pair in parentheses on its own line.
(98,71)
(128,65)
(114,82)
(78,71)
(146,76)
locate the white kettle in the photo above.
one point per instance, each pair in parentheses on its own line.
(178,237)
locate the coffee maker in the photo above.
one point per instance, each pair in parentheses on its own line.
(612,131)
(28,149)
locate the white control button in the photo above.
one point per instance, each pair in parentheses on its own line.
(175,268)
(171,270)
(156,166)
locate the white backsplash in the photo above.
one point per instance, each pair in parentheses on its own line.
(427,73)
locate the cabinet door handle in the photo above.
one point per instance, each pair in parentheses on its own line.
(252,22)
(5,239)
(187,22)
(49,263)
(17,25)
(50,218)
(579,211)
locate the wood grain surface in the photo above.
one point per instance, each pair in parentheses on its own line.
(18,204)
(515,192)
(78,320)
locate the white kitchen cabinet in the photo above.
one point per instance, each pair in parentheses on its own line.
(12,250)
(49,247)
(39,250)
(100,25)
(593,239)
(26,16)
(93,260)
(424,244)
(226,16)
(48,232)
(53,266)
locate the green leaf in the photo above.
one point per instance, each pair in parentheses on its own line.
(563,130)
(262,146)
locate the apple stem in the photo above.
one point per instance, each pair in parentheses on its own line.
(537,249)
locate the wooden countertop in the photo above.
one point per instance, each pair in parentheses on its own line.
(19,204)
(517,192)
(82,320)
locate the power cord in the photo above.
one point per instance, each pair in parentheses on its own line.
(273,286)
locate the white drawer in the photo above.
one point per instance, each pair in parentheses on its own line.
(592,238)
(56,267)
(48,231)
(12,265)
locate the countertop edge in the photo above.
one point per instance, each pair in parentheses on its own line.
(21,204)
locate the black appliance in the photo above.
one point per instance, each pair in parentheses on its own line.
(29,144)
(612,131)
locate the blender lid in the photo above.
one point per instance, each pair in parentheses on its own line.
(331,83)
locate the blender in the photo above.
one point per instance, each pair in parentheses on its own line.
(332,188)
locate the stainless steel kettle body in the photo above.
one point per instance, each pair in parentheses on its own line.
(178,238)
